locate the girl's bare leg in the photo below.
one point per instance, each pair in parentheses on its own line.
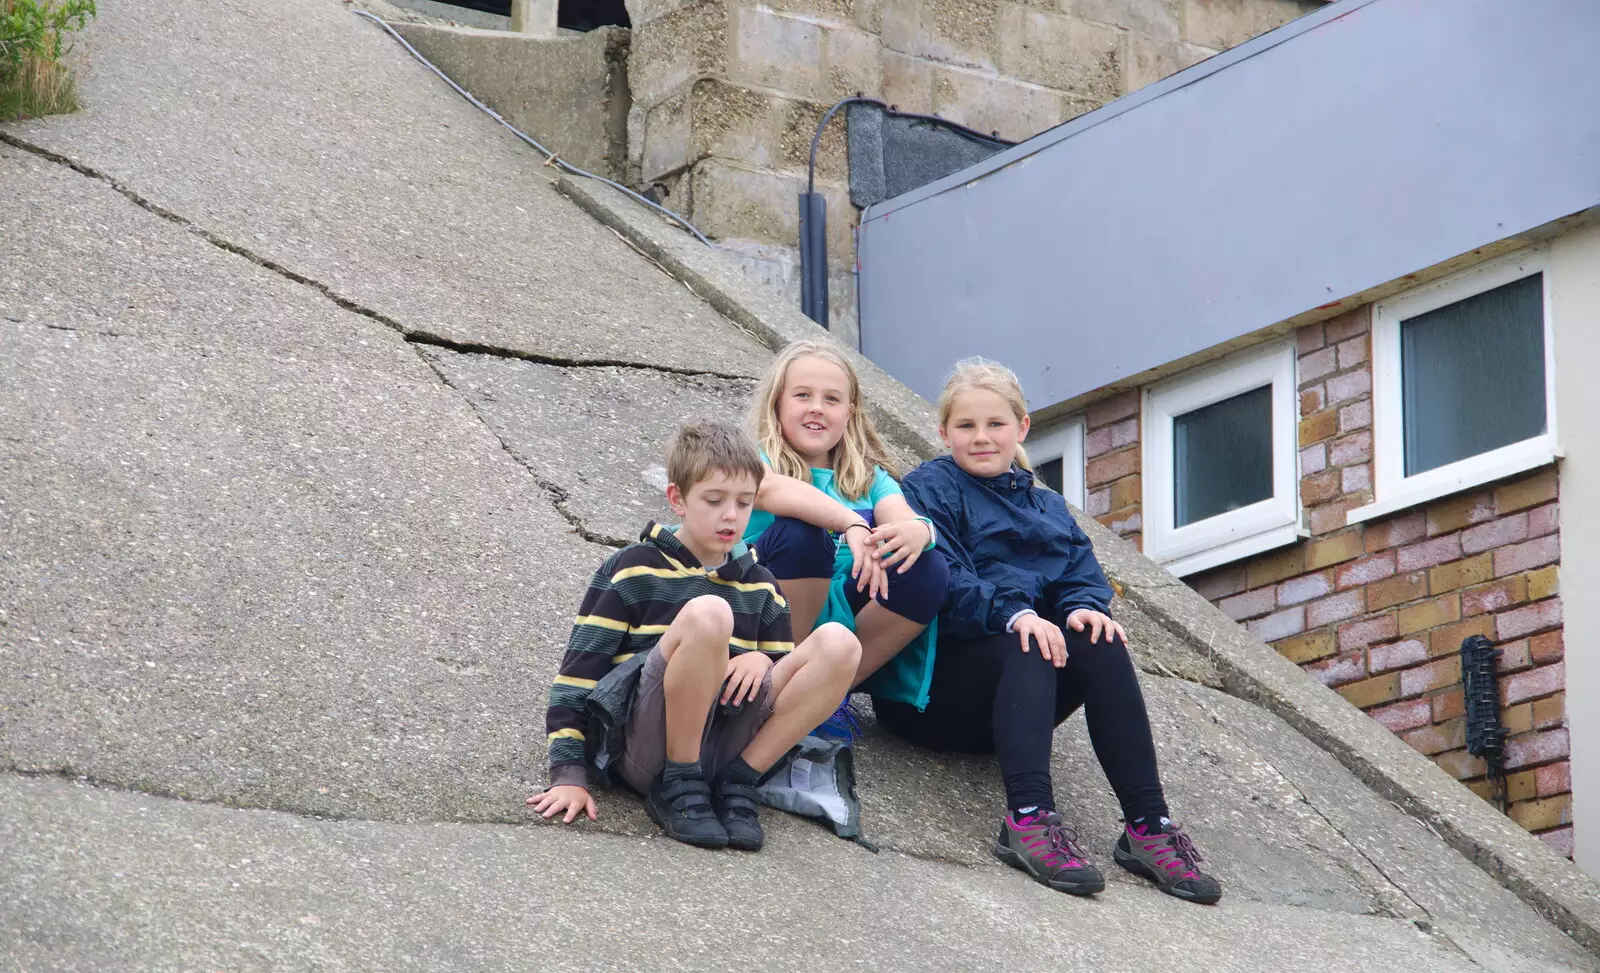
(807,685)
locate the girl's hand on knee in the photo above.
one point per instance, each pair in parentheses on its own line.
(1052,644)
(1097,622)
(745,672)
(858,537)
(871,576)
(564,797)
(879,586)
(901,544)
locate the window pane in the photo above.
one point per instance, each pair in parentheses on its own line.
(1049,473)
(1222,456)
(1472,375)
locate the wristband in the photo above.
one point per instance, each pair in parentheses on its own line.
(933,534)
(859,523)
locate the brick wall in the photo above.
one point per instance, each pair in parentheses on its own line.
(1111,465)
(1378,610)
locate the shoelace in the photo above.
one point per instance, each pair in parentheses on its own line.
(1064,842)
(1184,848)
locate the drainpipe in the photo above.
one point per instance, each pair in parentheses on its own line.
(814,229)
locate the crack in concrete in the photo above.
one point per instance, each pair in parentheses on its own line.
(591,828)
(95,331)
(1244,742)
(560,497)
(410,334)
(68,772)
(417,338)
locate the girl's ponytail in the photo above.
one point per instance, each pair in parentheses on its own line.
(981,374)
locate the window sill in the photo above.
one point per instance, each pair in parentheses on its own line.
(1472,475)
(1234,550)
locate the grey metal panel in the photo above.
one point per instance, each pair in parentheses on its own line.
(1366,141)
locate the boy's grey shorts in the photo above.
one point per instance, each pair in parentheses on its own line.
(645,732)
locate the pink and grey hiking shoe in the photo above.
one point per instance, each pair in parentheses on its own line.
(1164,854)
(1041,845)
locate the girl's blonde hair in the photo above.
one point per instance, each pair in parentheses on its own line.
(983,375)
(857,453)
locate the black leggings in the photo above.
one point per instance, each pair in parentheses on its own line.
(988,696)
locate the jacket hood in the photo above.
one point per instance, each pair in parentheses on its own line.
(664,538)
(1013,480)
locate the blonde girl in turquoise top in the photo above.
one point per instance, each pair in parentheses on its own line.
(832,525)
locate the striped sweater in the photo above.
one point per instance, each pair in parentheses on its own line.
(631,600)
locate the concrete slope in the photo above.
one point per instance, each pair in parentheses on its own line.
(99,874)
(305,135)
(254,545)
(266,542)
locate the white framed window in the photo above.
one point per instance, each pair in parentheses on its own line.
(1056,453)
(1220,461)
(1462,383)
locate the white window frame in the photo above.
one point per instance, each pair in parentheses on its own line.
(1392,489)
(1262,526)
(1063,441)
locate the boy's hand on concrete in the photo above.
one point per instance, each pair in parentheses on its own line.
(745,672)
(564,797)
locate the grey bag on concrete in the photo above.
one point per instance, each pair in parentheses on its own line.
(817,779)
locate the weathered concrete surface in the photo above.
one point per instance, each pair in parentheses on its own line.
(258,549)
(1412,856)
(164,885)
(308,136)
(435,12)
(902,417)
(597,434)
(568,92)
(245,567)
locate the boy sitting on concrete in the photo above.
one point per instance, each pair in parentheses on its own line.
(722,691)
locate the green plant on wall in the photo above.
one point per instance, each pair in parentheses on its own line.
(33,43)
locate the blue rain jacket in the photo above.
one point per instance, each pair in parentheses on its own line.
(1011,545)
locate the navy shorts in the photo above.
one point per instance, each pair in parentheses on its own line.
(795,550)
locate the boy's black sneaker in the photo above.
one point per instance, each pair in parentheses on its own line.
(683,809)
(737,805)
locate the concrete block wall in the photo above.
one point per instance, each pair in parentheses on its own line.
(726,93)
(1378,610)
(569,91)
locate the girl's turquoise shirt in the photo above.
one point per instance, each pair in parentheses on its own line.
(907,676)
(883,485)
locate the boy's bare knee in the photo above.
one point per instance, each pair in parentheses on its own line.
(837,644)
(706,617)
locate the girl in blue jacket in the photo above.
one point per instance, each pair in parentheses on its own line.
(1025,639)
